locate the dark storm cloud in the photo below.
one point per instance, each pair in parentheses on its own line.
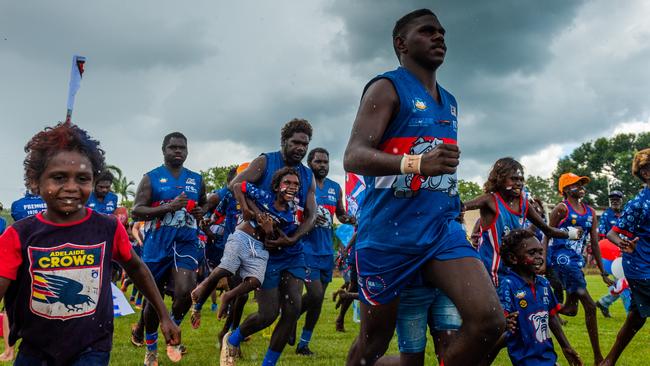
(139,36)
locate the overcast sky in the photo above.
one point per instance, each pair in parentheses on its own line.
(533,79)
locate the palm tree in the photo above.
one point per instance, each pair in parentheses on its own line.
(121,185)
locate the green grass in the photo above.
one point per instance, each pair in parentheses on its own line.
(331,347)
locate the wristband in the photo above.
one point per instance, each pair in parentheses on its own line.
(573,233)
(410,164)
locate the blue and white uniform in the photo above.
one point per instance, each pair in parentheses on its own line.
(566,254)
(173,238)
(106,206)
(531,343)
(243,252)
(319,247)
(505,219)
(635,223)
(29,205)
(290,259)
(407,220)
(607,221)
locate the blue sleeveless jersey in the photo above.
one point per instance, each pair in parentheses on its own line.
(491,237)
(564,251)
(274,162)
(179,226)
(319,241)
(107,206)
(411,213)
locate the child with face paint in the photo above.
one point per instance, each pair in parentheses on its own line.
(574,216)
(267,215)
(529,304)
(55,266)
(503,208)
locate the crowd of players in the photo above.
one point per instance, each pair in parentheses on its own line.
(411,262)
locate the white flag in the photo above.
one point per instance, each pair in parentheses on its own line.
(75,81)
(121,305)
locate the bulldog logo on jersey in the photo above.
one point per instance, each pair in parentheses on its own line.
(540,323)
(66,280)
(407,186)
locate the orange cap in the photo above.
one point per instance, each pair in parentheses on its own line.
(242,167)
(568,179)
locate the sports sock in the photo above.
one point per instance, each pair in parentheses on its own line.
(235,338)
(271,358)
(152,341)
(305,337)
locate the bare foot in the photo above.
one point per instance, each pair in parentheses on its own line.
(225,299)
(7,355)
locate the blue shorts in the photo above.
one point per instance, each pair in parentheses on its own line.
(419,307)
(640,296)
(383,274)
(319,267)
(245,254)
(571,277)
(213,254)
(293,264)
(185,255)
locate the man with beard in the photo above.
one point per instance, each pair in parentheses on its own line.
(319,248)
(286,269)
(170,197)
(101,198)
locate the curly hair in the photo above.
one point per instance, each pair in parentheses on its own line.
(512,241)
(641,159)
(502,169)
(62,137)
(294,126)
(281,173)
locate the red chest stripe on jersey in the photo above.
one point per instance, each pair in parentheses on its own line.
(402,145)
(330,208)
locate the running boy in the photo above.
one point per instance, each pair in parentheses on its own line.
(632,234)
(245,251)
(504,207)
(529,304)
(567,260)
(59,261)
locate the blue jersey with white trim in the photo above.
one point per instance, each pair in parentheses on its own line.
(411,212)
(564,251)
(319,241)
(607,221)
(275,162)
(505,219)
(531,342)
(635,223)
(106,206)
(162,232)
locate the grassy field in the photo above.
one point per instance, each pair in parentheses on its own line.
(331,347)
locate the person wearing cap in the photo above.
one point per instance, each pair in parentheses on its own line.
(580,221)
(607,221)
(632,234)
